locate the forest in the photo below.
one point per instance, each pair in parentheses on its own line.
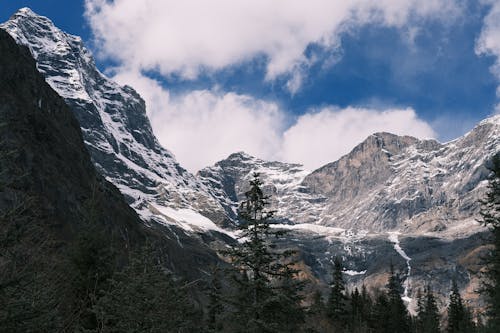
(93,286)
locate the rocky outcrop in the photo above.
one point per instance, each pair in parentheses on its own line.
(423,191)
(47,176)
(113,119)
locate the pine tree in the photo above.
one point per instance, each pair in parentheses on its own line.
(268,297)
(337,301)
(427,313)
(215,308)
(144,297)
(317,306)
(380,316)
(459,317)
(359,307)
(366,302)
(491,217)
(400,320)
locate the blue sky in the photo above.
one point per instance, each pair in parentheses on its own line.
(427,62)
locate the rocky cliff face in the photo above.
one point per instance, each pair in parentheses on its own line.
(411,202)
(43,154)
(113,120)
(392,198)
(48,178)
(386,183)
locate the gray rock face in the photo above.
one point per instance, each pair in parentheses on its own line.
(392,198)
(113,120)
(386,183)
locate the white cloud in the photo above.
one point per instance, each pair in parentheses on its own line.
(189,37)
(202,127)
(488,42)
(185,37)
(322,137)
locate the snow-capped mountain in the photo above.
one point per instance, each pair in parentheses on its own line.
(114,123)
(391,199)
(396,199)
(386,183)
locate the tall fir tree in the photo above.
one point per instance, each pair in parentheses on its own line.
(427,320)
(400,320)
(215,308)
(359,307)
(459,317)
(268,299)
(380,315)
(337,300)
(144,297)
(490,213)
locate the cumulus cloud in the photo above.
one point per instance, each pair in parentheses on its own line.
(205,126)
(488,42)
(202,127)
(191,36)
(324,136)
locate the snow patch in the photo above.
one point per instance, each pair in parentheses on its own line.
(394,238)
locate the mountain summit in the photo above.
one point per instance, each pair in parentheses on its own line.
(391,199)
(113,120)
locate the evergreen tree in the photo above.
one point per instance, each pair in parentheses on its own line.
(317,306)
(215,308)
(359,305)
(366,303)
(268,291)
(337,301)
(143,297)
(380,316)
(459,317)
(427,313)
(491,217)
(400,320)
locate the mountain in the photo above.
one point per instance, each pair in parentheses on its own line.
(115,127)
(391,199)
(43,157)
(49,185)
(396,199)
(387,183)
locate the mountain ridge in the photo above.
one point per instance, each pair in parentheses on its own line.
(391,195)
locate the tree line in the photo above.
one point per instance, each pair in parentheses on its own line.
(92,288)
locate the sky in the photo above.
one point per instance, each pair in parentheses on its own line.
(295,81)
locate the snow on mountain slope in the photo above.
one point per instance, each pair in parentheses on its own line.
(230,178)
(386,183)
(390,182)
(113,120)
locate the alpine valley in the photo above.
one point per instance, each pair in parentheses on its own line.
(392,199)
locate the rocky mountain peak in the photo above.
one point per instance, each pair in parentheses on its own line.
(113,119)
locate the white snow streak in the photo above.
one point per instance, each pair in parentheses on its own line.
(393,237)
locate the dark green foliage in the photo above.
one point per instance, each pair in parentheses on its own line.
(388,312)
(317,307)
(400,320)
(380,316)
(90,265)
(144,298)
(215,308)
(268,298)
(459,317)
(427,320)
(359,313)
(337,301)
(491,217)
